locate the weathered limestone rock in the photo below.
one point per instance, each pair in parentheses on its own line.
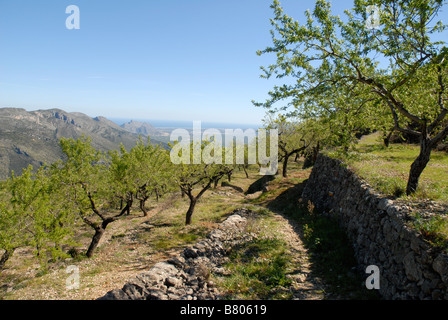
(412,270)
(440,265)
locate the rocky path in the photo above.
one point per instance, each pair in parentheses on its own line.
(305,285)
(187,275)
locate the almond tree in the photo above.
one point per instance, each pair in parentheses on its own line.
(194,178)
(290,139)
(153,171)
(386,62)
(142,172)
(15,214)
(88,189)
(31,215)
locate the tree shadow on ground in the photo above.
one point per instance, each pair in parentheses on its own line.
(288,199)
(259,185)
(236,188)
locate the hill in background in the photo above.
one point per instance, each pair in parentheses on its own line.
(32,137)
(143,128)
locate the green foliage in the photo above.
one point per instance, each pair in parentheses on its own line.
(31,214)
(300,136)
(92,182)
(385,169)
(43,209)
(341,77)
(142,172)
(291,138)
(83,176)
(191,176)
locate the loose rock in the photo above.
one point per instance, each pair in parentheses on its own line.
(186,277)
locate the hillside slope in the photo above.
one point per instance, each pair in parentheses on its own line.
(32,137)
(280,263)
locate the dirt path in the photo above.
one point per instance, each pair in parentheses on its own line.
(305,285)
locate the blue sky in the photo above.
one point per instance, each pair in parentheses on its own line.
(142,59)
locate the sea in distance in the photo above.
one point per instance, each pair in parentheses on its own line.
(174,124)
(168,126)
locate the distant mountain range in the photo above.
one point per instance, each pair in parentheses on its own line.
(143,128)
(32,137)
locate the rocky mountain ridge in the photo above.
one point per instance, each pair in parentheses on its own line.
(32,137)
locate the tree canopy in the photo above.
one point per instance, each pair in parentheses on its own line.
(397,66)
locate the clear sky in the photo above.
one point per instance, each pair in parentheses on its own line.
(142,59)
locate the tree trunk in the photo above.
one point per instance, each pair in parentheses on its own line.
(99,231)
(296,159)
(419,165)
(310,157)
(194,200)
(285,166)
(129,204)
(245,171)
(190,211)
(142,207)
(215,183)
(387,138)
(6,255)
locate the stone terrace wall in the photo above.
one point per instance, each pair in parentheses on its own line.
(186,277)
(409,267)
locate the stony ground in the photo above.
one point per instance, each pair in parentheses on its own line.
(306,286)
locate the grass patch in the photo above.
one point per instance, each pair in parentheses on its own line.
(386,169)
(434,229)
(258,270)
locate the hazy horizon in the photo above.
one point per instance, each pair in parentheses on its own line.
(165,123)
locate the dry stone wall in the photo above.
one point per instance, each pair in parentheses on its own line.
(409,267)
(186,277)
